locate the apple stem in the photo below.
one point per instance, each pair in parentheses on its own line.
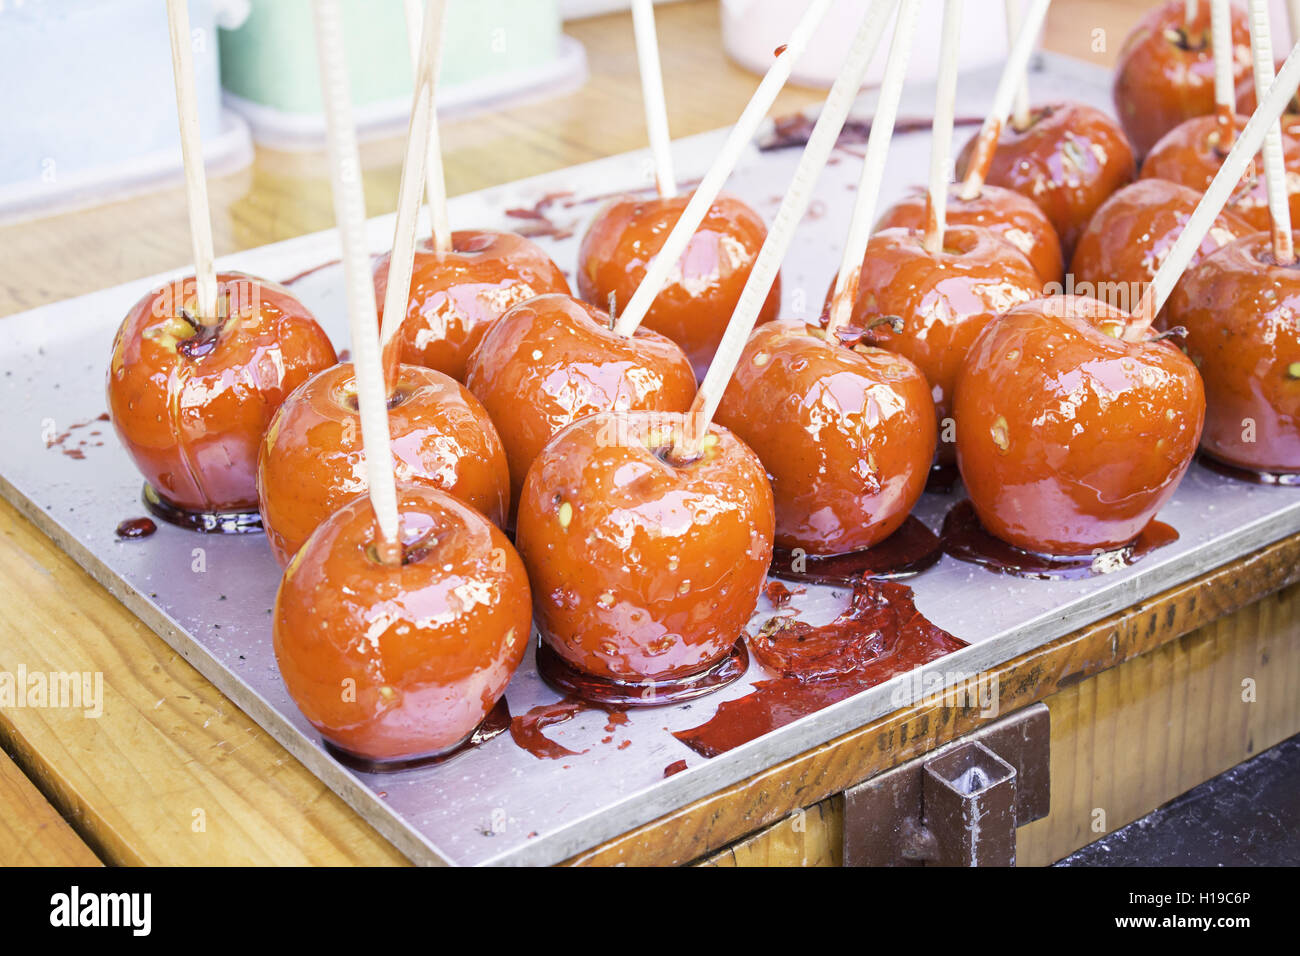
(420,134)
(435,183)
(1020,110)
(793,206)
(1242,154)
(944,108)
(1013,75)
(738,141)
(196,184)
(847,279)
(1275,174)
(652,94)
(350,212)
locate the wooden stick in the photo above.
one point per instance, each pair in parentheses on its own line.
(1189,12)
(419,133)
(873,168)
(1020,111)
(945,103)
(652,95)
(738,140)
(350,211)
(435,183)
(793,206)
(1012,75)
(1225,89)
(1275,175)
(196,183)
(1293,20)
(1270,109)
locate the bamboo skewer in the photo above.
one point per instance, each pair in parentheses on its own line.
(707,191)
(652,94)
(1012,76)
(1261,47)
(420,143)
(793,206)
(435,182)
(1020,110)
(1242,154)
(944,108)
(873,168)
(350,211)
(196,184)
(1225,91)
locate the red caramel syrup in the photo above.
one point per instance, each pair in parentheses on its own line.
(207,522)
(494,725)
(526,729)
(880,634)
(136,528)
(908,551)
(606,693)
(60,440)
(1284,478)
(966,540)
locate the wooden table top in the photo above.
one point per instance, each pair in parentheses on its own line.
(173,772)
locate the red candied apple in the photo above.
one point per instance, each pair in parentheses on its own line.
(644,568)
(1247,101)
(1068,160)
(846,434)
(1242,314)
(701,292)
(944,300)
(191,401)
(393,663)
(1132,233)
(313,462)
(554,360)
(1009,216)
(1193,152)
(457,295)
(1069,439)
(1165,73)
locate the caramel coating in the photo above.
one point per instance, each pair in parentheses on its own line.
(1069,439)
(697,301)
(1241,313)
(846,434)
(458,295)
(401,662)
(313,462)
(644,569)
(191,404)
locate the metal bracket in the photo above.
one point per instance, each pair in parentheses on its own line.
(958,805)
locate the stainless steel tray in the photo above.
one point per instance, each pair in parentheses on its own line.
(499,804)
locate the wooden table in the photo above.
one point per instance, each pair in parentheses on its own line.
(173,773)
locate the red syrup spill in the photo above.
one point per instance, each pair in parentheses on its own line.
(879,635)
(1283,478)
(60,441)
(538,222)
(604,692)
(136,528)
(676,767)
(779,50)
(966,540)
(779,595)
(307,272)
(795,128)
(207,522)
(526,729)
(908,551)
(942,479)
(496,723)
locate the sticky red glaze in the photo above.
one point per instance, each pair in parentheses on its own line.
(1132,233)
(1242,315)
(456,296)
(846,434)
(1068,438)
(395,663)
(554,360)
(1009,216)
(1246,103)
(191,408)
(643,569)
(1165,73)
(1192,153)
(944,300)
(1068,160)
(313,461)
(701,293)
